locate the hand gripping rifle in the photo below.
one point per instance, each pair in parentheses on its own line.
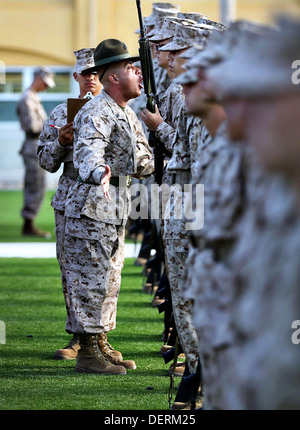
(150,91)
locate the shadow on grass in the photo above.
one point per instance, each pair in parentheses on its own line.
(40,368)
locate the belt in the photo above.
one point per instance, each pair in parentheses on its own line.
(69,170)
(114,180)
(31,135)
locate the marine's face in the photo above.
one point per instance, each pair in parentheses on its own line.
(193,97)
(88,82)
(130,80)
(162,56)
(176,62)
(197,98)
(41,84)
(273,128)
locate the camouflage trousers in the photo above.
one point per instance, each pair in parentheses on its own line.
(209,284)
(94,258)
(34,187)
(176,254)
(60,227)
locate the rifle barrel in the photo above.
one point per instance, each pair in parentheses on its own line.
(138,5)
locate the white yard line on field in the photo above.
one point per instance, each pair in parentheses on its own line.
(47,250)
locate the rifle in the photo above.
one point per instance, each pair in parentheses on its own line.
(150,92)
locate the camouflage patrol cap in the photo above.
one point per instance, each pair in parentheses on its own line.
(184,37)
(84,59)
(195,16)
(168,28)
(111,51)
(198,46)
(219,44)
(46,74)
(160,11)
(214,51)
(164,5)
(261,64)
(152,20)
(218,25)
(208,50)
(159,17)
(219,47)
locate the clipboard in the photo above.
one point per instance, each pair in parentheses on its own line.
(73,106)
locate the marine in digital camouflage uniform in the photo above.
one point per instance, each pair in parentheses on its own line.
(208,279)
(183,145)
(106,133)
(55,148)
(184,155)
(164,122)
(32,116)
(153,25)
(262,371)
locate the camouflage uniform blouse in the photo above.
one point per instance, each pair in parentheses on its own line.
(52,154)
(104,134)
(32,116)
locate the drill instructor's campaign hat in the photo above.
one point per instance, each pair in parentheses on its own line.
(111,51)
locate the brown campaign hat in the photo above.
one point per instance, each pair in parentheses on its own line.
(111,51)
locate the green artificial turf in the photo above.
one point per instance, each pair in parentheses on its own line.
(11,221)
(32,309)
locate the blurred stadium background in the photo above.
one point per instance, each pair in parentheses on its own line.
(46,32)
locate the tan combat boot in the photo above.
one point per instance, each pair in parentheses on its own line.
(69,352)
(91,360)
(188,405)
(29,229)
(111,354)
(179,369)
(105,346)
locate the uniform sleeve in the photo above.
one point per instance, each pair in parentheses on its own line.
(51,153)
(166,130)
(166,134)
(91,138)
(144,154)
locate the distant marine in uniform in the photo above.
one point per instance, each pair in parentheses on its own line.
(32,116)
